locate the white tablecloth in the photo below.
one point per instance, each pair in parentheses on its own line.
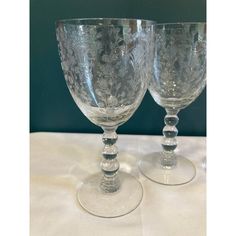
(59,161)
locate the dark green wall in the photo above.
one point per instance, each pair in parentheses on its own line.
(52,107)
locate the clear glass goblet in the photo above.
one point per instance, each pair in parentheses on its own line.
(107,64)
(179,76)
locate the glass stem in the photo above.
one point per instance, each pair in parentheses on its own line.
(110,181)
(169,142)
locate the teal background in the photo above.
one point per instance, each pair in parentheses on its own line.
(51,105)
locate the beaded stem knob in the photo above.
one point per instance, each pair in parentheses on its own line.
(110,165)
(169,142)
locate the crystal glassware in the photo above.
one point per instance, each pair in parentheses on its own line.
(107,64)
(179,76)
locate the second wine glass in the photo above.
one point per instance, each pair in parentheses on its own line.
(179,76)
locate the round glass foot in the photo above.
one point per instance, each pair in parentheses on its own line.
(119,203)
(182,173)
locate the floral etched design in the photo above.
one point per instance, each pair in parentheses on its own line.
(180,64)
(106,67)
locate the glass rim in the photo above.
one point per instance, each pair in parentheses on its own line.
(176,24)
(107,21)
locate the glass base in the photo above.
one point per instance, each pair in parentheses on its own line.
(182,173)
(108,205)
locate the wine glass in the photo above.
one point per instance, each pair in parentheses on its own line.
(107,64)
(179,76)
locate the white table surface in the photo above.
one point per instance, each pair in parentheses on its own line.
(60,161)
